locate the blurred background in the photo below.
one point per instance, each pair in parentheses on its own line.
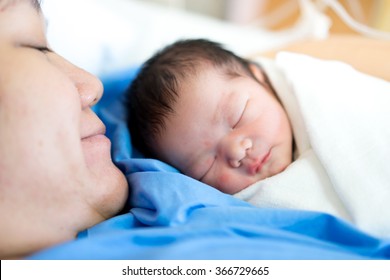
(281,14)
(103,36)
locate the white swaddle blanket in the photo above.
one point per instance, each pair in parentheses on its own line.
(341,125)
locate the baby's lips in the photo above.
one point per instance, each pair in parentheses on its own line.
(256,166)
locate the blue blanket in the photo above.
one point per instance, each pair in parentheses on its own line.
(172,216)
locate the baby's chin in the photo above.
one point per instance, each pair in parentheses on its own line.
(274,168)
(239,187)
(269,170)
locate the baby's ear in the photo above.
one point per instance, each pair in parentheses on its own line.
(257,72)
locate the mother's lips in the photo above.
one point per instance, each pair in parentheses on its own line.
(101,130)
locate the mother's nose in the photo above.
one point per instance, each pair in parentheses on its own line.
(89,87)
(234,149)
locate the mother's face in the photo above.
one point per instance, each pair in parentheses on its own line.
(54,157)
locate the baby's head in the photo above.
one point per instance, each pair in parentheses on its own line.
(211,114)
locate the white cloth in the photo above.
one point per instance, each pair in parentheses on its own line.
(341,125)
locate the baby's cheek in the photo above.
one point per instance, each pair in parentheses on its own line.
(207,144)
(231,183)
(224,181)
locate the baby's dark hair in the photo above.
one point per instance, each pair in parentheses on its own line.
(152,94)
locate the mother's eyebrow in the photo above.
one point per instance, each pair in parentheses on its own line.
(36,4)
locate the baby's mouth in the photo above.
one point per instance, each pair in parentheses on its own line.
(256,166)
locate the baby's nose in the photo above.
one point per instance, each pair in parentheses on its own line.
(237,151)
